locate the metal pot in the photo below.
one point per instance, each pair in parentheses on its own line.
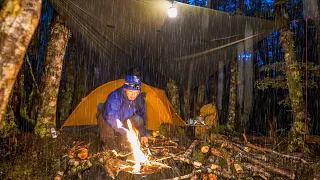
(190,121)
(200,119)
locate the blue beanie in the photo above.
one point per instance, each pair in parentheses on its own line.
(132,83)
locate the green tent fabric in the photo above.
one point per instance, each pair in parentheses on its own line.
(121,34)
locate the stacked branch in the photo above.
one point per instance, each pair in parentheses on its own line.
(223,158)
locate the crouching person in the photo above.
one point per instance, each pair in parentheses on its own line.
(124,103)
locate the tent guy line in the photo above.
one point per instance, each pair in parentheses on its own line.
(217,48)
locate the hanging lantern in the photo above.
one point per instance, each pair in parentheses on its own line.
(172,12)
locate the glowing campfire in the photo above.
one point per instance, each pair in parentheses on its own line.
(138,155)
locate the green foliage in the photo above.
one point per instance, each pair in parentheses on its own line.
(41,130)
(313,69)
(181,132)
(8,127)
(25,117)
(285,102)
(298,127)
(221,162)
(279,81)
(199,156)
(164,130)
(316,168)
(266,83)
(296,138)
(218,129)
(278,66)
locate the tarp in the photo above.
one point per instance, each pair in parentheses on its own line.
(122,34)
(158,107)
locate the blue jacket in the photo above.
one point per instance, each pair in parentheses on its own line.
(118,106)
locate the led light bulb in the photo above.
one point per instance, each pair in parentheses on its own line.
(172,12)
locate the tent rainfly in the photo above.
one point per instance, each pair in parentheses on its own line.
(121,34)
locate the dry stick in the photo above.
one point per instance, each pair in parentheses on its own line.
(283,172)
(187,176)
(220,173)
(224,174)
(159,164)
(187,154)
(186,160)
(190,149)
(169,157)
(32,75)
(270,151)
(280,171)
(255,169)
(275,152)
(233,146)
(245,138)
(161,147)
(175,169)
(169,140)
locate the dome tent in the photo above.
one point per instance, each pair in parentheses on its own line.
(158,108)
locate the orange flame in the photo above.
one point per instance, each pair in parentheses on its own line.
(138,155)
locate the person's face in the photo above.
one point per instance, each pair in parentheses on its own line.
(132,94)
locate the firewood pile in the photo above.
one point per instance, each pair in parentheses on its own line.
(221,159)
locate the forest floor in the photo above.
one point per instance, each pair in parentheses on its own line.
(30,157)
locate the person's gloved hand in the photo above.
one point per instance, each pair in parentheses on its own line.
(144,140)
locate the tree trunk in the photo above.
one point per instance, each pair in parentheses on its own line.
(67,88)
(212,4)
(186,97)
(50,81)
(232,96)
(293,83)
(18,21)
(220,84)
(318,36)
(294,86)
(80,86)
(248,92)
(173,93)
(240,7)
(200,98)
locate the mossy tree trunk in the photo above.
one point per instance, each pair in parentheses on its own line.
(232,96)
(173,93)
(51,77)
(294,86)
(18,21)
(293,81)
